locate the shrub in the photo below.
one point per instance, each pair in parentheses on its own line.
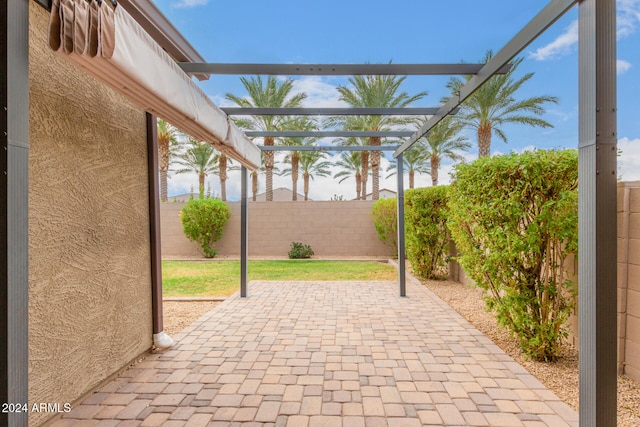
(203,220)
(299,251)
(385,220)
(514,220)
(427,236)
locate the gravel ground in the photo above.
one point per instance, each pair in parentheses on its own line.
(561,377)
(180,314)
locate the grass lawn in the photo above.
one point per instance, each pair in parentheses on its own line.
(222,278)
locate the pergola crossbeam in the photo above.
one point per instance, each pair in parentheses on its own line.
(550,14)
(335,69)
(237,111)
(328,134)
(328,147)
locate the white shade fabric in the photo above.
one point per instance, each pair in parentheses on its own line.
(109,44)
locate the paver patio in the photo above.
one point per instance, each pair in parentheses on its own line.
(323,354)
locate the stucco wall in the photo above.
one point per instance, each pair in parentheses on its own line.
(89,268)
(331,228)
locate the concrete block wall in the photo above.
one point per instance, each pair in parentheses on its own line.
(331,228)
(629,277)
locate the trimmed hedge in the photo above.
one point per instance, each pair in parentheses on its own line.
(427,236)
(203,220)
(385,221)
(514,219)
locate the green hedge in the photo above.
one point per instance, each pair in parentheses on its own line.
(427,236)
(385,221)
(514,219)
(203,220)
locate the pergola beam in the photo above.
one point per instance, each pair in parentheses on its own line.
(335,69)
(237,111)
(328,147)
(550,14)
(328,134)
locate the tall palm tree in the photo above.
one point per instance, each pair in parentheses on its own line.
(444,142)
(223,166)
(199,158)
(494,104)
(415,160)
(167,144)
(374,91)
(306,124)
(311,166)
(255,181)
(273,93)
(350,164)
(355,123)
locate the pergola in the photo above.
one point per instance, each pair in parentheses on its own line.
(597,171)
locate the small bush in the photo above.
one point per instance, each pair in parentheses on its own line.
(514,219)
(427,236)
(300,251)
(203,220)
(385,220)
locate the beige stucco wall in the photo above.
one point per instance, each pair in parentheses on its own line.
(89,267)
(331,228)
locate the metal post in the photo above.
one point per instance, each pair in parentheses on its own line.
(401,251)
(14,203)
(154,223)
(244,233)
(160,338)
(597,223)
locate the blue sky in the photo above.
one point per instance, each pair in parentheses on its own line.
(409,31)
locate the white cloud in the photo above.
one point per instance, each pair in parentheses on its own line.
(320,93)
(187,4)
(562,116)
(628,17)
(629,160)
(627,22)
(622,66)
(562,45)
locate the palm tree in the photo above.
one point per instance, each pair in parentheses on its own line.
(374,91)
(350,163)
(306,124)
(494,104)
(311,166)
(444,141)
(273,93)
(167,143)
(255,183)
(199,158)
(415,160)
(353,123)
(223,162)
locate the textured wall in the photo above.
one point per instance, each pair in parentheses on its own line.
(89,268)
(330,228)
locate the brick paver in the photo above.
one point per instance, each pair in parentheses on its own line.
(327,354)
